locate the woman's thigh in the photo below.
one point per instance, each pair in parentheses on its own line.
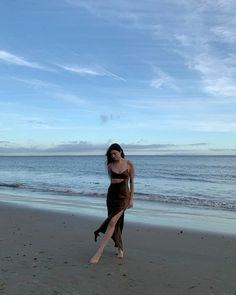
(115,218)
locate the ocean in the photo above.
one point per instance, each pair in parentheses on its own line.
(197,192)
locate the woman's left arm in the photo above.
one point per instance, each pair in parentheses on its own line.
(131,182)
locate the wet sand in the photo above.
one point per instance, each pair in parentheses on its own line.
(47,253)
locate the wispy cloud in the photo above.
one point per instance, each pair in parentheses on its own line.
(211,28)
(98,71)
(37,83)
(36,122)
(110,9)
(163,80)
(51,89)
(203,125)
(217,74)
(67,97)
(82,70)
(214,126)
(105,118)
(197,29)
(225,33)
(11,121)
(13,59)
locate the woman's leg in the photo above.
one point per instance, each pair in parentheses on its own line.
(108,234)
(120,253)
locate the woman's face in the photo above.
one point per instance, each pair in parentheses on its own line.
(115,155)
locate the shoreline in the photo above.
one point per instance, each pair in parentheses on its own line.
(47,253)
(176,216)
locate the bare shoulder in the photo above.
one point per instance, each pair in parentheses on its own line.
(130,169)
(130,164)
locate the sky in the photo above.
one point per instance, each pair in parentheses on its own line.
(158,77)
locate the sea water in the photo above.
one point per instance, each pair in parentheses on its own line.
(196,192)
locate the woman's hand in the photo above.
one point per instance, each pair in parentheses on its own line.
(130,204)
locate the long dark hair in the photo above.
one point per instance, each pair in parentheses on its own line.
(116,147)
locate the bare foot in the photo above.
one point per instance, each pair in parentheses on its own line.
(120,254)
(95,259)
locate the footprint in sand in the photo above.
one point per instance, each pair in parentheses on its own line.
(2,285)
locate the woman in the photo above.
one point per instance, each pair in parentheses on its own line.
(119,198)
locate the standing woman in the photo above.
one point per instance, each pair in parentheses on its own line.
(119,198)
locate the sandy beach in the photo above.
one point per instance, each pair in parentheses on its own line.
(46,253)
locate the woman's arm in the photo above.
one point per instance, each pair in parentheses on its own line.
(109,170)
(131,182)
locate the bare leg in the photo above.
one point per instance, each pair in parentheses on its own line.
(120,253)
(108,234)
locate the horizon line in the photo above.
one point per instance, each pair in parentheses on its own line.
(100,155)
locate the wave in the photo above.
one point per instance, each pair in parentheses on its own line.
(199,200)
(11,185)
(185,177)
(71,192)
(191,201)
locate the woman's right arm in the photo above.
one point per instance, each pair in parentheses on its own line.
(109,170)
(131,182)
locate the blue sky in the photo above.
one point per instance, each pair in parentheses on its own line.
(158,77)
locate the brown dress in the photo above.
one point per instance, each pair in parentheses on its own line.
(118,198)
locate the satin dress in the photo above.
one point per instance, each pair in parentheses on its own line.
(118,198)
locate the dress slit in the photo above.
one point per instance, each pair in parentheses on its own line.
(118,197)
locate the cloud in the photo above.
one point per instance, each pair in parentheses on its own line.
(217,74)
(36,122)
(82,147)
(36,83)
(158,146)
(83,71)
(67,148)
(197,144)
(88,148)
(200,32)
(67,97)
(220,86)
(11,119)
(105,118)
(225,33)
(214,126)
(110,9)
(77,147)
(207,46)
(10,58)
(203,125)
(163,80)
(51,89)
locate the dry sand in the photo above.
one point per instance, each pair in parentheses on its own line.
(46,253)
